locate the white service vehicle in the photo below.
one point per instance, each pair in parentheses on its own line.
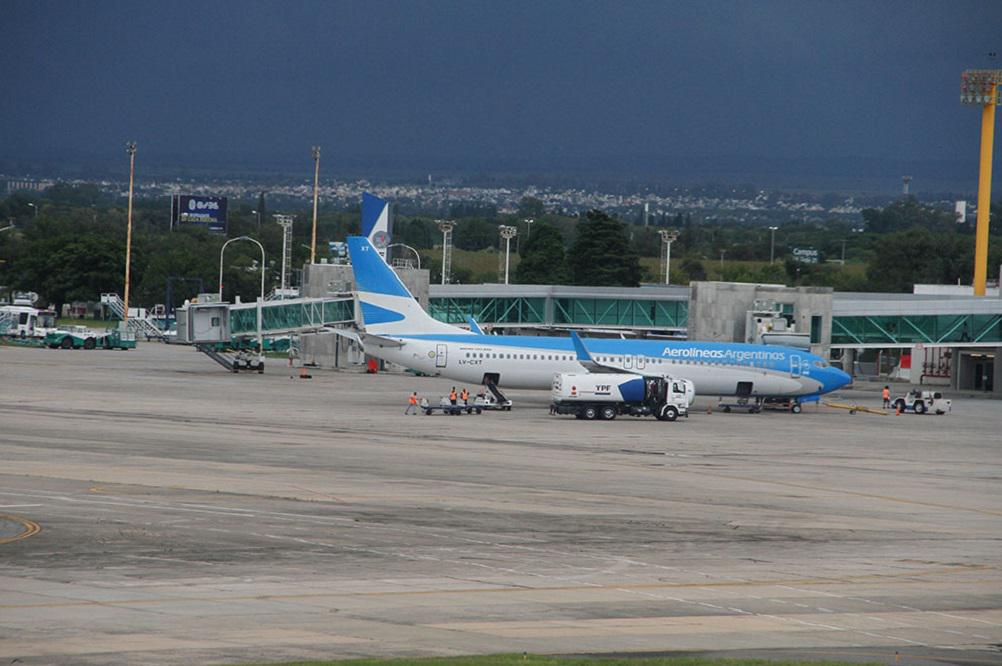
(606,395)
(920,402)
(25,321)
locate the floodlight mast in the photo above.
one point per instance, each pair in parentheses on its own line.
(316,194)
(446,227)
(507,233)
(668,237)
(981,86)
(130,148)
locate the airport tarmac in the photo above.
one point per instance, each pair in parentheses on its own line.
(156,509)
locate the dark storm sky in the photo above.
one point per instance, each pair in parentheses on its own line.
(473,84)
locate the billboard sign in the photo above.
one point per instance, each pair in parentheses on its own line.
(209,212)
(805,255)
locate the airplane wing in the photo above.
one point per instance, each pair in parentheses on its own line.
(347,333)
(380,341)
(367,338)
(474,326)
(590,364)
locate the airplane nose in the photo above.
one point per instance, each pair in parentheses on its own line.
(841,378)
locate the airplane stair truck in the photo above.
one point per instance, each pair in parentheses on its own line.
(140,322)
(606,395)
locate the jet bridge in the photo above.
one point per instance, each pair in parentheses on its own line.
(224,331)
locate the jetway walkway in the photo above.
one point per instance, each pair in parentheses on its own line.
(294,315)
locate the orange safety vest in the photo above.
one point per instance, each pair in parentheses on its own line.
(465,394)
(452,395)
(886,393)
(413,399)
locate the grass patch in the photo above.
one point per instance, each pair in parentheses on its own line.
(96,324)
(541,660)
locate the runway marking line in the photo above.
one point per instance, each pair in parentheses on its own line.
(31,528)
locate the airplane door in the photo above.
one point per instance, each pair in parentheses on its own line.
(641,362)
(627,362)
(794,366)
(441,355)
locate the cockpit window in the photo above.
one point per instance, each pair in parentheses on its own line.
(821,364)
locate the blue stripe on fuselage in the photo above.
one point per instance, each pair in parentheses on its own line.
(760,356)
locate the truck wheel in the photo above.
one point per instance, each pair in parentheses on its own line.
(66,343)
(919,407)
(795,408)
(90,343)
(608,413)
(589,413)
(727,410)
(668,413)
(899,404)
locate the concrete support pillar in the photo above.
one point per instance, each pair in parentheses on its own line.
(849,361)
(918,363)
(955,367)
(997,379)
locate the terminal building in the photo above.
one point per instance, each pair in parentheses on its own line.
(940,339)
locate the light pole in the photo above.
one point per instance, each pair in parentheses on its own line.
(285,221)
(258,213)
(446,228)
(667,238)
(772,245)
(34,209)
(223,249)
(843,252)
(130,148)
(316,192)
(507,233)
(981,87)
(416,254)
(260,300)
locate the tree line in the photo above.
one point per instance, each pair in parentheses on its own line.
(69,244)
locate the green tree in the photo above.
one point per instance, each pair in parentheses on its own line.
(905,214)
(531,207)
(74,258)
(601,254)
(693,269)
(903,259)
(542,257)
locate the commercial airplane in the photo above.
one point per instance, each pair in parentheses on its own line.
(398,330)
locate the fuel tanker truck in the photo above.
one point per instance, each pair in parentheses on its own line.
(606,395)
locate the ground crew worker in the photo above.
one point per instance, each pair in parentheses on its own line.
(452,396)
(411,404)
(886,395)
(465,396)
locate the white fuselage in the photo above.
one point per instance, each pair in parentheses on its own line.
(519,363)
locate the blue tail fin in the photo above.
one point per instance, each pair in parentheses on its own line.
(388,308)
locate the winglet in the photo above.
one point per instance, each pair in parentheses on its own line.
(474,326)
(579,348)
(590,364)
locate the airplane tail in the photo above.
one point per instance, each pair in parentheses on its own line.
(388,308)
